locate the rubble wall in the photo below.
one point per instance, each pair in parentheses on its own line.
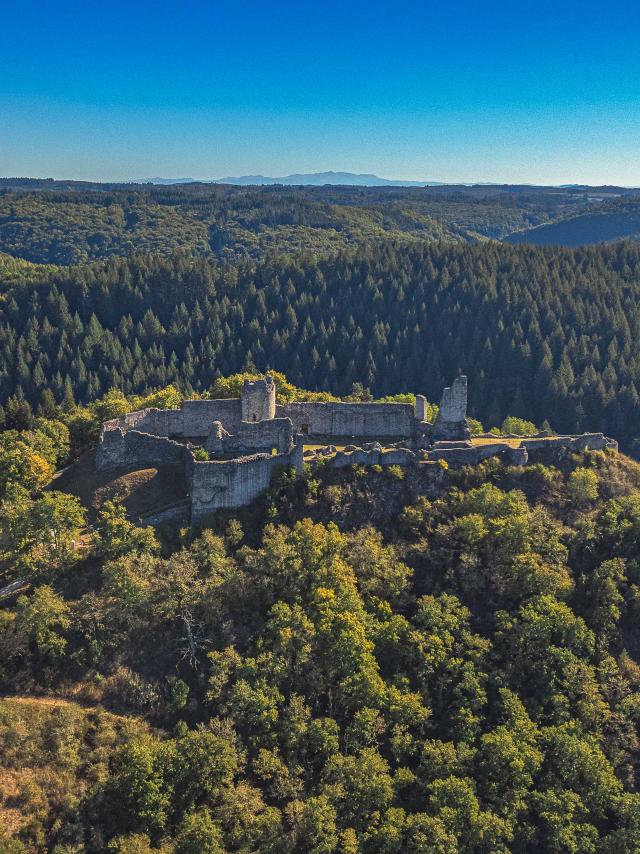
(157,422)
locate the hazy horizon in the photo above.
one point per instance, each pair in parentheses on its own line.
(392,181)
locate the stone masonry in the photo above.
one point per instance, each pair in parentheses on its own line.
(451,421)
(248,438)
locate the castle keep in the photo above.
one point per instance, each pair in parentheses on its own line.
(248,438)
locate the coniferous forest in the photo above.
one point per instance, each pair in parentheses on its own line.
(542,333)
(364,660)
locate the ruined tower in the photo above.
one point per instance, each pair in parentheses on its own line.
(259,399)
(451,422)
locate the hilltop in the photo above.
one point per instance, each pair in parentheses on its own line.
(344,659)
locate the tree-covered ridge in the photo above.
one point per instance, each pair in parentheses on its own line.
(462,678)
(541,333)
(75,222)
(74,228)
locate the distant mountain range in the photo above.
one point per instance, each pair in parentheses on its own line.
(316,179)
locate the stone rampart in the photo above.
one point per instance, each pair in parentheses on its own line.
(199,415)
(465,454)
(157,422)
(131,449)
(350,419)
(263,436)
(193,420)
(395,457)
(217,484)
(584,442)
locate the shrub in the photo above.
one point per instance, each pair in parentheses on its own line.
(396,472)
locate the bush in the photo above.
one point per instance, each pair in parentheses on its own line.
(127,689)
(396,472)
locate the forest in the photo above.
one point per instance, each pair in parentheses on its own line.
(543,333)
(57,222)
(347,665)
(338,668)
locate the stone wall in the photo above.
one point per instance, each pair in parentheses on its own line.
(451,421)
(194,420)
(157,422)
(262,436)
(131,449)
(350,419)
(394,457)
(199,415)
(233,483)
(584,442)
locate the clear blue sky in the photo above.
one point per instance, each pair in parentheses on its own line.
(517,91)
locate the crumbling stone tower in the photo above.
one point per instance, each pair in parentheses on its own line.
(451,421)
(259,399)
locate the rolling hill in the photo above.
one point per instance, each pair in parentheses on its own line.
(602,225)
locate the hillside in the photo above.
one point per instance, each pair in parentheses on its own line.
(67,222)
(73,228)
(345,661)
(605,224)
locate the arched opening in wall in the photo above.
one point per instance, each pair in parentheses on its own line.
(304,429)
(254,417)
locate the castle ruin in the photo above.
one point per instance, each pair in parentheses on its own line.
(246,439)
